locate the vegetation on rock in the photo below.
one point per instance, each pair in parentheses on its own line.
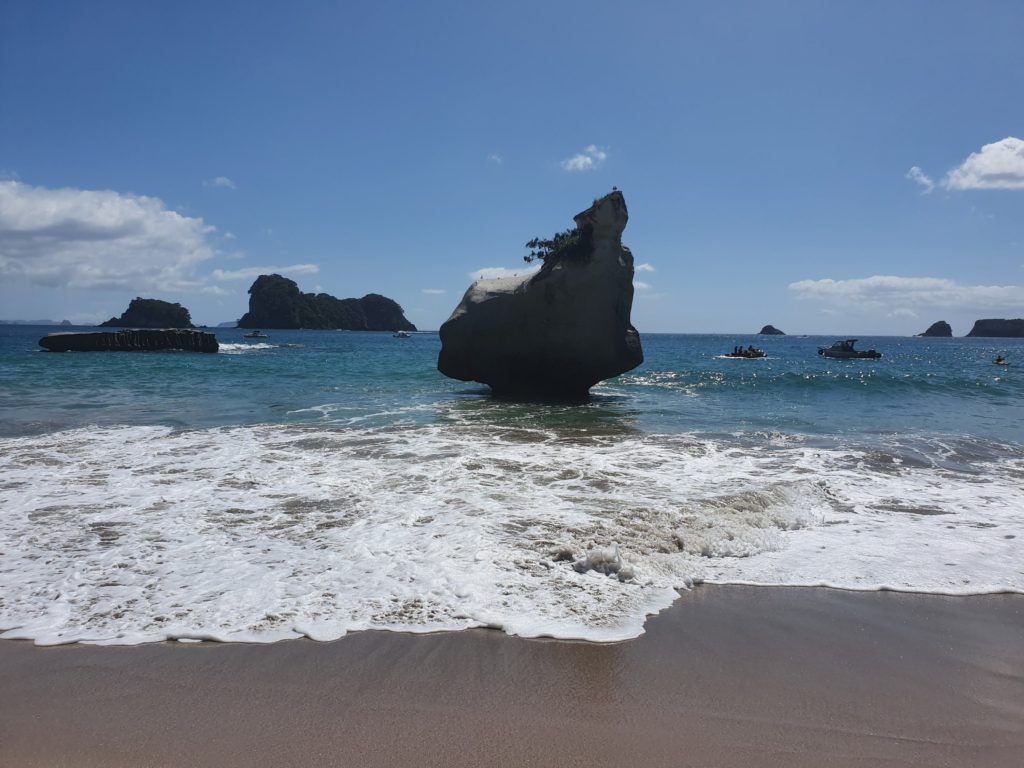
(572,244)
(151,313)
(276,302)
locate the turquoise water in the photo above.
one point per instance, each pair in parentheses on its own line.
(946,386)
(316,483)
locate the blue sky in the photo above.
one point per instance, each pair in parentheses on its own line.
(765,151)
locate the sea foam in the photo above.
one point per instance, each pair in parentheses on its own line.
(261,533)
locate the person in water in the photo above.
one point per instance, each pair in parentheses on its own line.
(999,359)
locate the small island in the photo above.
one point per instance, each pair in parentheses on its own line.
(1001,329)
(771,330)
(941,329)
(276,302)
(151,313)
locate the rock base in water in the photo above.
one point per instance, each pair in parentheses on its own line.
(771,330)
(941,329)
(145,340)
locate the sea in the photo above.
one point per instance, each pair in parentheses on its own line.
(316,483)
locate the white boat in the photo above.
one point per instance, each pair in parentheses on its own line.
(256,335)
(402,335)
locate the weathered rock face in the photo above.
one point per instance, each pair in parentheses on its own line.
(1006,329)
(151,313)
(940,329)
(147,340)
(276,302)
(556,332)
(771,330)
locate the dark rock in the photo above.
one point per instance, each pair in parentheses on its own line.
(151,313)
(146,340)
(276,302)
(940,329)
(556,332)
(771,330)
(1006,329)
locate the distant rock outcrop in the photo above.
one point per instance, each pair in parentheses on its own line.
(276,302)
(771,330)
(147,340)
(1006,329)
(151,313)
(940,329)
(558,331)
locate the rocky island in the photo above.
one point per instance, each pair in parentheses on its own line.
(941,329)
(151,313)
(1005,329)
(560,330)
(771,330)
(142,340)
(276,302)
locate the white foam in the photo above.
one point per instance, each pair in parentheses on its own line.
(138,534)
(240,349)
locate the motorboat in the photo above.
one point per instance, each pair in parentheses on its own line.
(256,335)
(1000,361)
(402,335)
(843,350)
(750,353)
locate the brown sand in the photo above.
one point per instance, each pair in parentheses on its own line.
(730,676)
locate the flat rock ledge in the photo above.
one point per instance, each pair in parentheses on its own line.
(136,340)
(556,332)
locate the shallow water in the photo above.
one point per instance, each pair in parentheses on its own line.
(317,482)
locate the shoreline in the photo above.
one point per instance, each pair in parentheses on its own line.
(727,676)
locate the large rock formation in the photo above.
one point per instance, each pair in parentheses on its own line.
(558,331)
(771,330)
(940,329)
(131,341)
(1006,329)
(276,302)
(151,313)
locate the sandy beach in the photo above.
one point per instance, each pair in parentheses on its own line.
(729,676)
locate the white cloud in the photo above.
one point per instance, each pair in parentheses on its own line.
(434,291)
(644,267)
(214,290)
(904,294)
(249,273)
(76,238)
(489,273)
(589,159)
(495,158)
(996,166)
(220,182)
(641,286)
(903,312)
(8,175)
(916,174)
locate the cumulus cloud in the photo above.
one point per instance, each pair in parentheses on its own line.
(433,291)
(645,267)
(495,158)
(917,175)
(76,238)
(589,159)
(641,286)
(220,182)
(489,273)
(997,166)
(904,294)
(248,273)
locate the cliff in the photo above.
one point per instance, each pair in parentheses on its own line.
(1006,329)
(151,313)
(556,332)
(145,340)
(940,329)
(276,302)
(771,330)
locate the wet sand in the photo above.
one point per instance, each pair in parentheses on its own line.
(729,676)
